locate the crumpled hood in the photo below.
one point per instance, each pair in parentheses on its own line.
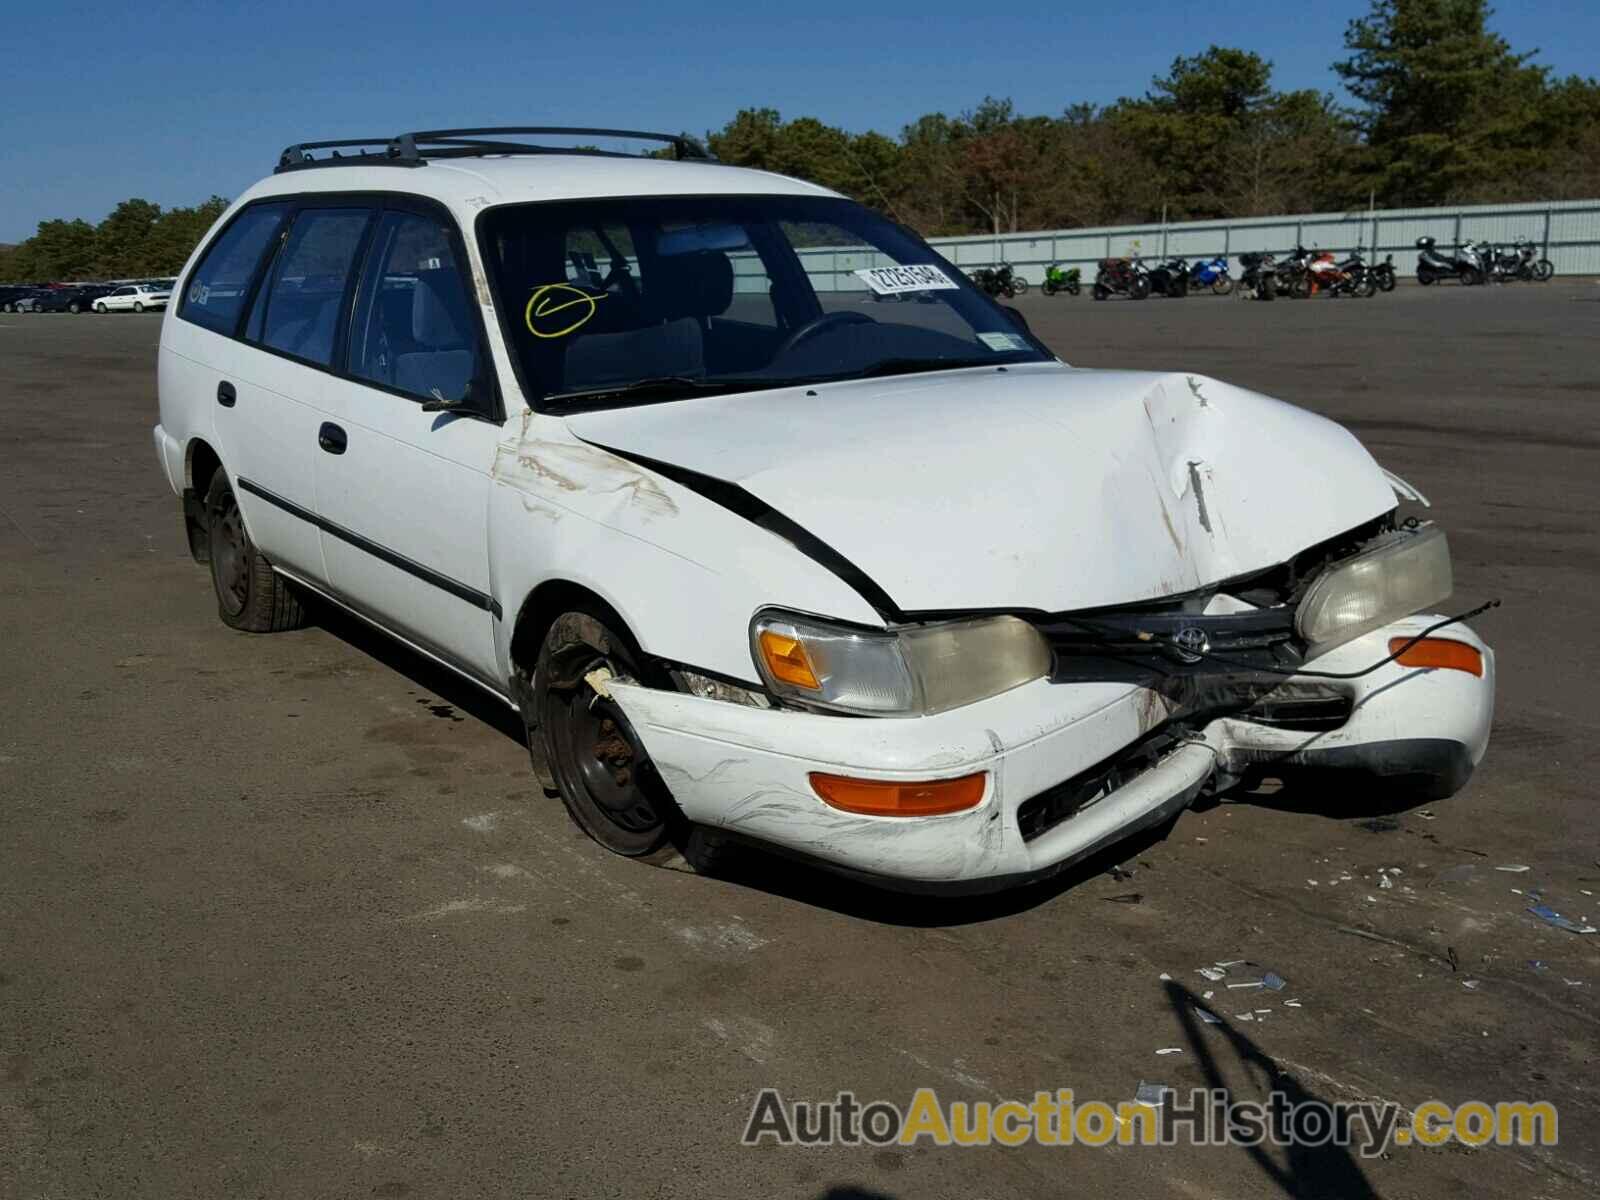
(1041,487)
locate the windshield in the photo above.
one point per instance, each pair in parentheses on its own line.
(633,301)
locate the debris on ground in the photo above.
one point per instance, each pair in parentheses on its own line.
(1125,898)
(1120,873)
(1170,1050)
(1551,917)
(1514,868)
(1209,1018)
(1212,973)
(1470,984)
(1151,1095)
(1273,982)
(1385,882)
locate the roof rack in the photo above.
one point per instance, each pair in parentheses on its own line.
(416,149)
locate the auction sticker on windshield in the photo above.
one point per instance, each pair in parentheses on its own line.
(919,277)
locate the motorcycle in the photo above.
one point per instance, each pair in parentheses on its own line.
(1212,273)
(1294,274)
(1125,275)
(1466,264)
(1517,263)
(1383,274)
(1057,280)
(1259,280)
(1347,278)
(1000,280)
(1170,279)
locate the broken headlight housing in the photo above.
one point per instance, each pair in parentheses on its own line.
(915,670)
(1393,578)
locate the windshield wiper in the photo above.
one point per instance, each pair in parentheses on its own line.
(663,387)
(910,366)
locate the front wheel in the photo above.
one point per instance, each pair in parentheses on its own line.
(610,787)
(1222,285)
(250,595)
(1072,288)
(1544,270)
(1472,277)
(1386,281)
(100,308)
(1100,291)
(1425,276)
(1019,286)
(1048,287)
(1140,287)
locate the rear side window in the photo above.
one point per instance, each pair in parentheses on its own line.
(297,311)
(219,284)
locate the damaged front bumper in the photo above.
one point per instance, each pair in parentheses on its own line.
(1071,767)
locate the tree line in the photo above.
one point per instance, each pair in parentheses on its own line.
(1442,111)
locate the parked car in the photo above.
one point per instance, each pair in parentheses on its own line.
(12,293)
(887,586)
(55,299)
(132,297)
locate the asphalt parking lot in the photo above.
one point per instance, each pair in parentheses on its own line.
(287,916)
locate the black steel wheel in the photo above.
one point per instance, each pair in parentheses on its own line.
(601,768)
(250,595)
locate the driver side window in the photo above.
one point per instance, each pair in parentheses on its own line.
(413,329)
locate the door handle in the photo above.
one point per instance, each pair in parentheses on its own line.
(226,396)
(331,438)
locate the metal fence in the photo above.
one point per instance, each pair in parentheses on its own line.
(1568,234)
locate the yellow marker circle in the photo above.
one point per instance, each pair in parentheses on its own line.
(552,298)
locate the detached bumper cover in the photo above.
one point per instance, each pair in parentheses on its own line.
(745,770)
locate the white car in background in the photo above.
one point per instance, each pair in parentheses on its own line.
(637,446)
(133,297)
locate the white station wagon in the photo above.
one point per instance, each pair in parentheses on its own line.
(773,528)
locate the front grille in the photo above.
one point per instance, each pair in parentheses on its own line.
(1137,645)
(1042,813)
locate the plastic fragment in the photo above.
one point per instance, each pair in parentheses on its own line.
(1513,868)
(1170,1050)
(1273,982)
(1551,917)
(1385,882)
(1292,1004)
(1211,973)
(1470,984)
(1152,1095)
(1209,1018)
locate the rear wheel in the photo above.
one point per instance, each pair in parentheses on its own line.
(138,306)
(1048,287)
(250,595)
(1472,277)
(1020,285)
(1140,287)
(1100,290)
(74,308)
(1425,276)
(601,768)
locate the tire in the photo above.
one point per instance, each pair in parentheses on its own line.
(1268,288)
(1386,281)
(1425,276)
(1368,287)
(250,595)
(1544,270)
(1140,287)
(1179,287)
(1019,286)
(1073,289)
(1100,290)
(605,777)
(74,308)
(1472,277)
(1048,287)
(1222,285)
(100,308)
(138,306)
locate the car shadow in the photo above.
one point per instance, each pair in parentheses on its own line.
(1304,1171)
(1323,795)
(428,675)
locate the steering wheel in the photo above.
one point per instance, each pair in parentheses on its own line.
(813,327)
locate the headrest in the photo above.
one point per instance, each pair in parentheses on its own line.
(699,284)
(437,321)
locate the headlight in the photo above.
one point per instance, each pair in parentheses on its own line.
(1371,589)
(912,671)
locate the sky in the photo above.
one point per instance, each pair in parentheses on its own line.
(175,102)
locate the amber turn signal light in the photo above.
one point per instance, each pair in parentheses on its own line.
(1437,653)
(892,798)
(787,660)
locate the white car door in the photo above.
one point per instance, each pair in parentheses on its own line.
(403,492)
(120,300)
